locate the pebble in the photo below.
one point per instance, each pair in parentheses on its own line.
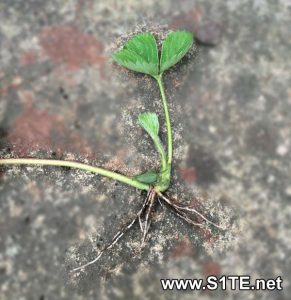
(212,129)
(209,34)
(282,150)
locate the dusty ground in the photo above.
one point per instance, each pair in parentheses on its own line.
(61,97)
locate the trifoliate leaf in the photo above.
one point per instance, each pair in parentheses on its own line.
(139,54)
(150,123)
(174,47)
(148,177)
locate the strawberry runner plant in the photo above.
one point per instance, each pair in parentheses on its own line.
(140,54)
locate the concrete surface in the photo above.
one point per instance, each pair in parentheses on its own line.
(62,97)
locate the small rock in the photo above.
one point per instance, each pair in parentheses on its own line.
(282,150)
(209,34)
(16,81)
(212,129)
(271,178)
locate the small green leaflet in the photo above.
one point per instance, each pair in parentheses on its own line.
(139,54)
(148,177)
(150,123)
(174,47)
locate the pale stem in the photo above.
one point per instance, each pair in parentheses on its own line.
(76,165)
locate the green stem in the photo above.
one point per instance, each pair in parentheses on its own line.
(168,121)
(75,165)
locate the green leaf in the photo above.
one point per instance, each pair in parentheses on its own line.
(150,123)
(139,54)
(174,47)
(148,177)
